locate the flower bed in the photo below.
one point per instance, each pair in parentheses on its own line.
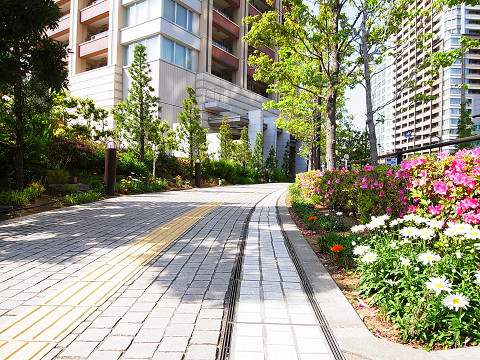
(420,261)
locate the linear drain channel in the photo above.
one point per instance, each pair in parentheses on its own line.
(307,287)
(223,353)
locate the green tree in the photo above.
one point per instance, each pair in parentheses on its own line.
(138,116)
(32,67)
(313,68)
(81,117)
(163,139)
(258,158)
(288,161)
(380,19)
(243,152)
(352,141)
(192,135)
(272,162)
(226,141)
(465,126)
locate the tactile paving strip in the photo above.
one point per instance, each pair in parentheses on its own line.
(32,334)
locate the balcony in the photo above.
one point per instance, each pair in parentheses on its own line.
(95,12)
(233,3)
(63,27)
(267,51)
(225,25)
(61,2)
(224,58)
(252,11)
(95,47)
(250,70)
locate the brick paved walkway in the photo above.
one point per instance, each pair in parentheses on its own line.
(145,277)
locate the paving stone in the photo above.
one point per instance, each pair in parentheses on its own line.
(119,343)
(141,350)
(175,344)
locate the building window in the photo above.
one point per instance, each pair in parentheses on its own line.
(141,11)
(153,50)
(178,14)
(176,53)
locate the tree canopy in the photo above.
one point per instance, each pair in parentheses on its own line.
(33,67)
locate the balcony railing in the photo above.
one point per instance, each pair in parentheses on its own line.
(93,47)
(225,25)
(223,57)
(62,28)
(97,11)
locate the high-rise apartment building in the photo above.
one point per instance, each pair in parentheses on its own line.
(195,43)
(406,123)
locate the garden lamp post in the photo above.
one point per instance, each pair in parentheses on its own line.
(198,173)
(110,167)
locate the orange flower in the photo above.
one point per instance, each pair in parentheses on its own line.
(125,189)
(337,248)
(312,218)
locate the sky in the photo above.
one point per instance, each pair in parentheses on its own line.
(355,105)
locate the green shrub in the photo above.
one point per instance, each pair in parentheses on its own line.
(82,198)
(277,176)
(13,198)
(57,176)
(135,186)
(34,191)
(20,198)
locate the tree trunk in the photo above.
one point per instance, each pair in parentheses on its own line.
(19,138)
(331,127)
(316,150)
(368,89)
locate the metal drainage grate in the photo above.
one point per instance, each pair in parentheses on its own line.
(307,287)
(223,352)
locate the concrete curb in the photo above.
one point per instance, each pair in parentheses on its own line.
(355,340)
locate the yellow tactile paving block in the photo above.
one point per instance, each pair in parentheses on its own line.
(32,334)
(21,350)
(46,323)
(85,293)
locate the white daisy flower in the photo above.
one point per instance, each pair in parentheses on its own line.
(405,261)
(339,213)
(473,234)
(369,257)
(410,217)
(426,233)
(458,254)
(428,258)
(457,229)
(409,231)
(375,223)
(361,249)
(393,245)
(477,245)
(477,277)
(394,222)
(438,284)
(455,301)
(358,228)
(435,224)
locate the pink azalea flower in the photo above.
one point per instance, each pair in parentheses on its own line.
(435,210)
(439,187)
(412,209)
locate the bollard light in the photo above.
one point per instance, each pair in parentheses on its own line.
(198,173)
(110,167)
